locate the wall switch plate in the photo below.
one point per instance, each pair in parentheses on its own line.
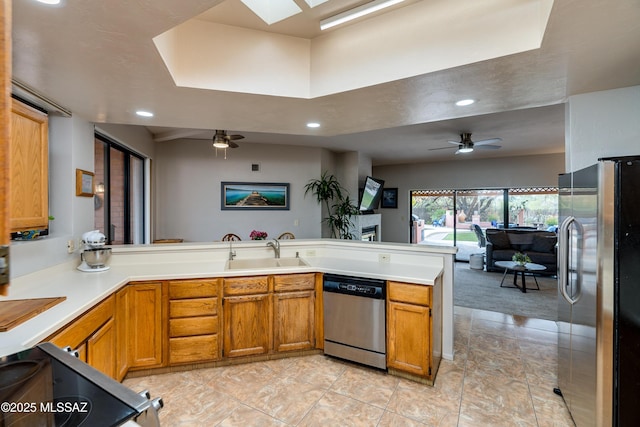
(384,257)
(71,246)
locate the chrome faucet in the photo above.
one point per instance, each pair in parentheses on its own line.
(232,253)
(275,244)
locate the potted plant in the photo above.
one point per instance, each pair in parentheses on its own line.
(520,258)
(258,235)
(327,189)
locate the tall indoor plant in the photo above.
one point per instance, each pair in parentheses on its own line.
(327,189)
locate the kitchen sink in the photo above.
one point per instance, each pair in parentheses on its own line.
(259,263)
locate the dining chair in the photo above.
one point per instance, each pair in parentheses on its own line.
(230,237)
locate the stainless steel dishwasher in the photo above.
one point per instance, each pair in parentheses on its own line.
(355,319)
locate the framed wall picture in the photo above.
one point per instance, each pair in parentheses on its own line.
(84,183)
(389,198)
(254,196)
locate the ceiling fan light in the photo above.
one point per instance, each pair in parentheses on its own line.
(465,150)
(220,142)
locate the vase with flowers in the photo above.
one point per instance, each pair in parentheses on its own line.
(258,235)
(520,258)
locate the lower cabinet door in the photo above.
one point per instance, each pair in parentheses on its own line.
(144,320)
(294,320)
(101,349)
(247,325)
(408,343)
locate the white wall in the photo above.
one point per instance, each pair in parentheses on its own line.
(602,124)
(136,138)
(461,174)
(188,176)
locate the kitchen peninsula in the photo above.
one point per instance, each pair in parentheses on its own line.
(201,265)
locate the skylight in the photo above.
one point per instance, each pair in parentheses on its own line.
(272,11)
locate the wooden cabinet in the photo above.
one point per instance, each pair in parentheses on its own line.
(247,316)
(100,348)
(93,335)
(145,323)
(410,330)
(294,312)
(194,307)
(122,333)
(29,162)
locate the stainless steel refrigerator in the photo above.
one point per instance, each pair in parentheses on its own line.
(599,293)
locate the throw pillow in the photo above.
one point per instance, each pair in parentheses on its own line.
(499,240)
(543,243)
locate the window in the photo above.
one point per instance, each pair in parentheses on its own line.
(119,199)
(449,214)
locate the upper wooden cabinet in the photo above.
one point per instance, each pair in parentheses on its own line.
(29,163)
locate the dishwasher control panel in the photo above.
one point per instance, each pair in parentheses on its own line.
(368,288)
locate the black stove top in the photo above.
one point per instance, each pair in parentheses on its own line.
(48,386)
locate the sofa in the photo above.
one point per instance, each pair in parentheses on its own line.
(539,245)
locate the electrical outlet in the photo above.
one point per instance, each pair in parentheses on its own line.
(71,246)
(384,257)
(296,222)
(310,253)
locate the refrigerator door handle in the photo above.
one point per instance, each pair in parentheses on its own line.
(564,248)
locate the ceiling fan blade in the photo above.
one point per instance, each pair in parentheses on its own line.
(454,142)
(487,141)
(234,137)
(233,144)
(442,148)
(487,147)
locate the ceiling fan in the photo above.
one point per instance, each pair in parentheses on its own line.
(224,141)
(466,145)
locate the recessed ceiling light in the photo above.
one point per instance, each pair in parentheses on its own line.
(143,113)
(464,102)
(313,125)
(49,1)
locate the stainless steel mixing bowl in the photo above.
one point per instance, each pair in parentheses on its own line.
(96,257)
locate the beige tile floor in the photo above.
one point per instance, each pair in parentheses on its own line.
(503,374)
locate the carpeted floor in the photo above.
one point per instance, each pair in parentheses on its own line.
(481,289)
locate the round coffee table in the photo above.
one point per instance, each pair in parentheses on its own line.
(522,269)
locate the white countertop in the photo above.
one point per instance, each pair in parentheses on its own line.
(85,289)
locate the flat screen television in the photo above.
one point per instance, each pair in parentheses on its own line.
(371,193)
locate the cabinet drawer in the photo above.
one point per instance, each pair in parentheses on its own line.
(409,293)
(193,349)
(295,282)
(188,326)
(180,289)
(246,285)
(193,307)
